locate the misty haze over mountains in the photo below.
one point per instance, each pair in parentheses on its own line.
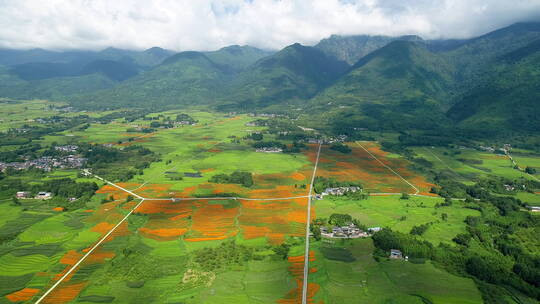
(387,82)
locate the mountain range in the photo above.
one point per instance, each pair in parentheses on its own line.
(487,85)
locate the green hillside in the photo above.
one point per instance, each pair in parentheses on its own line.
(487,85)
(508,98)
(296,72)
(237,58)
(56,88)
(394,87)
(184,78)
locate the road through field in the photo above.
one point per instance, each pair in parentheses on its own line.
(308,219)
(143,199)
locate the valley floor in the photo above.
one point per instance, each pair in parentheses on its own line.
(171,235)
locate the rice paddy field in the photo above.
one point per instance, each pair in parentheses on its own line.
(183,246)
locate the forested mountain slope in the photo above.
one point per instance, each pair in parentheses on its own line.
(296,72)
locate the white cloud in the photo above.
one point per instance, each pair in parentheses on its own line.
(211,24)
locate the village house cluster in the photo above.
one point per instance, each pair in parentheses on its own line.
(269,150)
(328,140)
(350,231)
(67,148)
(42,195)
(46,163)
(337,191)
(185,123)
(347,232)
(268,115)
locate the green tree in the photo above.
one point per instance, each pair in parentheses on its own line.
(530,170)
(316,230)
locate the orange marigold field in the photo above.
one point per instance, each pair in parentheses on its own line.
(22,295)
(106,212)
(129,205)
(98,256)
(272,219)
(71,257)
(163,234)
(213,222)
(118,194)
(121,230)
(64,293)
(279,191)
(166,229)
(361,166)
(296,268)
(165,206)
(102,228)
(153,190)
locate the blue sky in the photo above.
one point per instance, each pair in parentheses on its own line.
(271,24)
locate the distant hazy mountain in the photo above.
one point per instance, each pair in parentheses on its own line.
(351,48)
(236,58)
(484,85)
(183,78)
(146,58)
(39,73)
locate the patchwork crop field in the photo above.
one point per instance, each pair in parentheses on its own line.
(196,240)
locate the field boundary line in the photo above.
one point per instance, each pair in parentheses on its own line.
(87,254)
(142,185)
(222,198)
(308,219)
(392,170)
(445,164)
